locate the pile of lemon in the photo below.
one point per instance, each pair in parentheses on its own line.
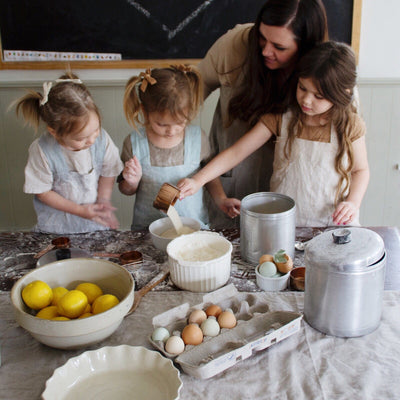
(61,304)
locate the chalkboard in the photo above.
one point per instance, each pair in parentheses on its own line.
(137,30)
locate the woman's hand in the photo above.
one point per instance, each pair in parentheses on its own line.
(132,171)
(188,187)
(345,213)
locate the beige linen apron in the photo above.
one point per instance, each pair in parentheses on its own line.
(309,177)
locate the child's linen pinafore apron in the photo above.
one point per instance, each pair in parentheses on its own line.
(79,188)
(308,177)
(153,177)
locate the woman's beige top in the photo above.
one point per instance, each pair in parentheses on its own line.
(222,68)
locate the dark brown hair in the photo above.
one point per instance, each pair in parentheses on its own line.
(176,89)
(265,90)
(66,110)
(332,68)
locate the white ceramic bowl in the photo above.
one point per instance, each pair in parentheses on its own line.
(111,277)
(203,273)
(272,284)
(119,372)
(158,227)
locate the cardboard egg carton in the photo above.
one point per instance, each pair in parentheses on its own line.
(257,329)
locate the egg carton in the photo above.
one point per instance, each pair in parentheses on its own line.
(257,329)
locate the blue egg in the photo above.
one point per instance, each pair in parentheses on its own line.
(267,269)
(160,334)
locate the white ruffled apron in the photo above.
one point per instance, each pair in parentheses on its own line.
(153,177)
(309,177)
(79,188)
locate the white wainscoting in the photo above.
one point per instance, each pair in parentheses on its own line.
(380,107)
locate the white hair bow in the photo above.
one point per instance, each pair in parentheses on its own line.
(46,90)
(69,80)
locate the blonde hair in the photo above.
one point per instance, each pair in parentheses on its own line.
(66,108)
(177,89)
(332,67)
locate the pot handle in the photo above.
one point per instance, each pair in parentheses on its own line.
(341,236)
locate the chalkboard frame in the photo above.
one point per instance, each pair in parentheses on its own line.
(141,64)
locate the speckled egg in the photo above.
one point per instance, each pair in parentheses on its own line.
(227,319)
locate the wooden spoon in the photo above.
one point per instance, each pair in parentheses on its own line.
(153,283)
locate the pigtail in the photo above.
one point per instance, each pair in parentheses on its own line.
(132,101)
(29,107)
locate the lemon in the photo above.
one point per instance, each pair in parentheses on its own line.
(58,292)
(88,309)
(72,304)
(37,295)
(60,318)
(91,290)
(48,312)
(104,303)
(85,315)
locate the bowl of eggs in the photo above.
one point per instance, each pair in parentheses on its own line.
(200,261)
(273,271)
(162,231)
(72,303)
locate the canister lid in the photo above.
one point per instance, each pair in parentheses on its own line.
(345,249)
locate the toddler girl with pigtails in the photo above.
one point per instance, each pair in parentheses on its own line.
(160,104)
(71,167)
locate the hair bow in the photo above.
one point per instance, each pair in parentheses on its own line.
(184,68)
(146,79)
(77,80)
(46,90)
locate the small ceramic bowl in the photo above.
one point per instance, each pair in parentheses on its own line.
(272,284)
(297,278)
(158,227)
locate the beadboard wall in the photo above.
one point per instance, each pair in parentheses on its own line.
(380,107)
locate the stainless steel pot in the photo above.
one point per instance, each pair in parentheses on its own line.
(267,225)
(345,275)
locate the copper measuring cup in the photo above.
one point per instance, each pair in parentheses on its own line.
(61,242)
(167,196)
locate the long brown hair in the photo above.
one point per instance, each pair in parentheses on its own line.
(177,89)
(332,68)
(264,90)
(66,108)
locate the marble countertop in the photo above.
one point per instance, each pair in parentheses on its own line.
(17,250)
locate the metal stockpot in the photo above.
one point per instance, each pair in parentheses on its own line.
(267,225)
(345,276)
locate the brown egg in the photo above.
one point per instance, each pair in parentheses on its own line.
(285,267)
(192,334)
(266,257)
(213,310)
(227,319)
(197,317)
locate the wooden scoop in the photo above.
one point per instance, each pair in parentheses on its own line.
(153,283)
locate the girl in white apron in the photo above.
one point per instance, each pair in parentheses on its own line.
(164,148)
(320,155)
(72,167)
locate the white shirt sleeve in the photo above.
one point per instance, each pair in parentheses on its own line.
(112,164)
(38,177)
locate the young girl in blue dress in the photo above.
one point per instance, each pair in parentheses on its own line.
(320,155)
(164,147)
(72,167)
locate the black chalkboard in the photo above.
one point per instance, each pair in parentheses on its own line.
(138,30)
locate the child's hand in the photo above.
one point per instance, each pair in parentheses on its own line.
(109,219)
(132,171)
(100,213)
(188,187)
(230,206)
(344,213)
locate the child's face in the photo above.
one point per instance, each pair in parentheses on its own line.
(310,100)
(165,126)
(83,139)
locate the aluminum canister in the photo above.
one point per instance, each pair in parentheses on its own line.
(267,225)
(345,276)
